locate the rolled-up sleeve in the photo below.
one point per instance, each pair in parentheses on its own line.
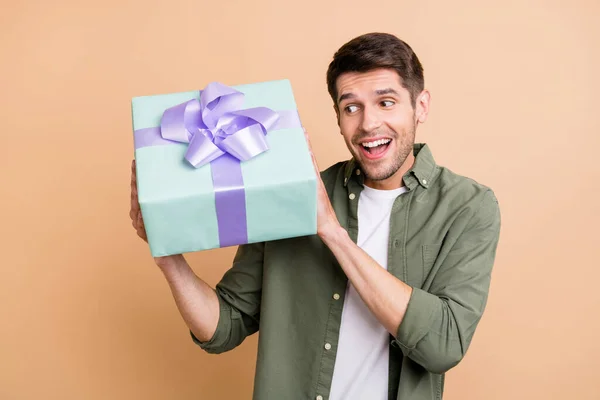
(239,294)
(440,321)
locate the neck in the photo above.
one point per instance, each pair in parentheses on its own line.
(395,181)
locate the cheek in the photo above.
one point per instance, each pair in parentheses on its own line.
(347,140)
(347,130)
(401,122)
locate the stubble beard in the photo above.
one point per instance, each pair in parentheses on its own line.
(376,172)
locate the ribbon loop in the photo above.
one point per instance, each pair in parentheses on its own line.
(246,143)
(202,151)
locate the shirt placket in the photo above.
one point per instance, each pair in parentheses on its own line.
(336,303)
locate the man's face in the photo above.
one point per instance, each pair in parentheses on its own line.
(377,121)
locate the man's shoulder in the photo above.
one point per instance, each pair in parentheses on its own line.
(463,189)
(449,177)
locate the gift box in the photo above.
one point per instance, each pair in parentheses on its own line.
(223,166)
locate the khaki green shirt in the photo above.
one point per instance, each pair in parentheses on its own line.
(443,237)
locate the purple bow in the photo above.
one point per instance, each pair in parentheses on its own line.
(217,124)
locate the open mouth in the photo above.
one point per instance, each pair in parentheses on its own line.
(375,149)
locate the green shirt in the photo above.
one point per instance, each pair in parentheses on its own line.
(443,237)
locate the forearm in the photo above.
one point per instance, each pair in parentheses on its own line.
(196,300)
(386,296)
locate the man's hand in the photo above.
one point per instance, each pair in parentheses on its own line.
(135,213)
(327,222)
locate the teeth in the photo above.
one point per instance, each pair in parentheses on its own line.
(376,143)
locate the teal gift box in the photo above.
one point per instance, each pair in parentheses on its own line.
(223,166)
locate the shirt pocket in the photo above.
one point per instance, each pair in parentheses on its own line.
(430,253)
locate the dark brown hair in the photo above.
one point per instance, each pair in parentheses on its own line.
(377,50)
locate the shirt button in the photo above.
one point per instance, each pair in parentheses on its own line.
(424,181)
(327,346)
(336,296)
(352,196)
(319,397)
(358,172)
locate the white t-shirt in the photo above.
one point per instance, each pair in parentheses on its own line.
(361,363)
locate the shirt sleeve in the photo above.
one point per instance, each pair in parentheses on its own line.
(439,322)
(239,294)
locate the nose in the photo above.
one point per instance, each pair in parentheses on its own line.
(371,120)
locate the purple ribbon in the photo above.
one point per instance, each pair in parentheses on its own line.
(218,131)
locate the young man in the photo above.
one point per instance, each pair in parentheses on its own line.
(386,297)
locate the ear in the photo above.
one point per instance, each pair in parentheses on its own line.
(422,106)
(337,113)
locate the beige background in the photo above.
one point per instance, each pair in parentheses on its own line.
(87,315)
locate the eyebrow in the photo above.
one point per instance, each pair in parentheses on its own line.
(380,92)
(346,96)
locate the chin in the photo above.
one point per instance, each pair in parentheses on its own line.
(379,175)
(383,170)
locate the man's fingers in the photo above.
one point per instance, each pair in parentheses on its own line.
(312,154)
(138,223)
(308,142)
(141,229)
(134,193)
(134,201)
(133,172)
(134,212)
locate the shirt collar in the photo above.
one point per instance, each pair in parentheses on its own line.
(421,172)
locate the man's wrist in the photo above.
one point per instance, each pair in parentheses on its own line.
(333,233)
(169,262)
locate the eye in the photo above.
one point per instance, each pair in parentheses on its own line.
(387,103)
(351,109)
